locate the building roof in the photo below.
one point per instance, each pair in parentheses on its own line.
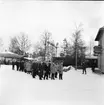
(10,55)
(91,57)
(99,34)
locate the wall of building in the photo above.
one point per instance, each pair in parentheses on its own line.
(99,62)
(102,53)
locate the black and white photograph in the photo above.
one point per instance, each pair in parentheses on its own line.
(51,52)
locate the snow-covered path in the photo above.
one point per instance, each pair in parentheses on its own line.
(19,88)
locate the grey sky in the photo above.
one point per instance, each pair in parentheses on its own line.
(57,17)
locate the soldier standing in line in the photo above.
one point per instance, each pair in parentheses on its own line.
(22,65)
(56,70)
(34,69)
(52,71)
(40,71)
(48,69)
(28,67)
(61,71)
(13,65)
(45,76)
(18,65)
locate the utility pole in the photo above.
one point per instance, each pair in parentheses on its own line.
(56,46)
(90,48)
(76,59)
(76,55)
(45,51)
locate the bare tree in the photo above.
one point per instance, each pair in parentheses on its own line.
(45,48)
(37,47)
(48,45)
(38,50)
(78,44)
(52,48)
(46,38)
(67,47)
(20,44)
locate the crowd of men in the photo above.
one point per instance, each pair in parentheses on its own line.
(44,70)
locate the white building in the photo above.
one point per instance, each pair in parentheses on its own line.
(100,48)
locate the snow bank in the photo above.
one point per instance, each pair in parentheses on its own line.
(18,88)
(66,68)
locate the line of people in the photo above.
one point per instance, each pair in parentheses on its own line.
(47,70)
(19,65)
(44,70)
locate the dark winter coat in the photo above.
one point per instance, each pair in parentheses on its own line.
(84,65)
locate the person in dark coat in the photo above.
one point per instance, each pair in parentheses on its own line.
(84,67)
(93,66)
(49,70)
(34,69)
(40,71)
(17,65)
(13,65)
(22,65)
(45,73)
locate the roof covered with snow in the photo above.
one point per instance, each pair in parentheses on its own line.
(91,57)
(99,34)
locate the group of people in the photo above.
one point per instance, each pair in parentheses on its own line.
(18,65)
(44,70)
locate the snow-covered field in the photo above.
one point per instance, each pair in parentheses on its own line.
(19,88)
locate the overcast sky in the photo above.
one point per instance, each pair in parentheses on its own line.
(58,17)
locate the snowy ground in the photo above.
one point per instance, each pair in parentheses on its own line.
(18,88)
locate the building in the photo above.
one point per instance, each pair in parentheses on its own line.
(99,50)
(92,61)
(58,59)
